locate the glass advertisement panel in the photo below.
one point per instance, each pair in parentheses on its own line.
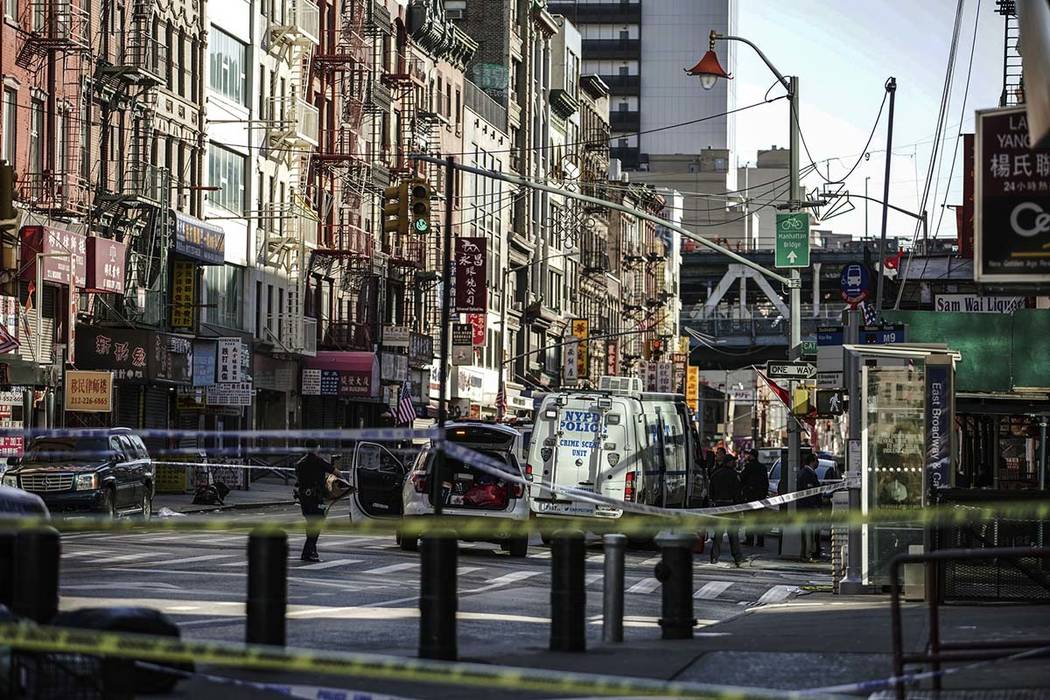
(894,447)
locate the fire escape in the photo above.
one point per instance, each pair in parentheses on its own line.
(57,40)
(1013,77)
(287,232)
(132,194)
(340,169)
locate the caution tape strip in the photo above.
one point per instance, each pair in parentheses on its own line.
(28,637)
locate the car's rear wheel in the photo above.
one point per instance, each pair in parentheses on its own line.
(518,547)
(109,503)
(147,506)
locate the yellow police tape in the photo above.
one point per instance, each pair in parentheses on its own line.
(466,526)
(31,638)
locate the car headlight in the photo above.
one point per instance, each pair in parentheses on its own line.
(11,480)
(86,482)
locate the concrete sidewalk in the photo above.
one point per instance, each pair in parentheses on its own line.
(268,491)
(809,643)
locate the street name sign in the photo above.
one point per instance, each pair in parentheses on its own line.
(791,370)
(792,240)
(809,347)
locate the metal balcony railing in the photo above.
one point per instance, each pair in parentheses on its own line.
(299,25)
(58,23)
(347,335)
(57,193)
(292,121)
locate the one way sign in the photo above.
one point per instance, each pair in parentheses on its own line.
(791,370)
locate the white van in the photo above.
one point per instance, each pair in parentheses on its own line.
(617,442)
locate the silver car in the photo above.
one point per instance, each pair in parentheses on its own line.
(386,488)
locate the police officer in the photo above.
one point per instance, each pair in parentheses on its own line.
(754,482)
(725,491)
(310,473)
(808,479)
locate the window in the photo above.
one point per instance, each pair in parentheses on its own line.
(7,147)
(36,136)
(61,154)
(223,295)
(226,171)
(11,9)
(228,60)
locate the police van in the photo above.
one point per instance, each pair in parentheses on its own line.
(619,442)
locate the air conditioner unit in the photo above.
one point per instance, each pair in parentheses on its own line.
(455,13)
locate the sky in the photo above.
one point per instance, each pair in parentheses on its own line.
(843,51)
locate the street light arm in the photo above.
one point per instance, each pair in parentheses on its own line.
(727,37)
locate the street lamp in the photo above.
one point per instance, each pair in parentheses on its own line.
(709,70)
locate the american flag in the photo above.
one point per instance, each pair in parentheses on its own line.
(406,410)
(501,404)
(871,315)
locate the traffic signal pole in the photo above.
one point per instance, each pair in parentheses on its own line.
(446,325)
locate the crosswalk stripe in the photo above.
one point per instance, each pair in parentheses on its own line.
(393,568)
(541,555)
(127,557)
(464,570)
(712,590)
(328,564)
(512,577)
(646,585)
(776,594)
(591,579)
(596,557)
(83,553)
(203,557)
(652,561)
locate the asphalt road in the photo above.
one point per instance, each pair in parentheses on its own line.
(363,596)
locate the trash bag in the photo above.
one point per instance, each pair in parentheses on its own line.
(124,676)
(211,494)
(486,496)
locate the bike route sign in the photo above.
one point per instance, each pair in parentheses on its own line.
(792,240)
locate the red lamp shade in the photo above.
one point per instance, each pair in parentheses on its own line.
(709,70)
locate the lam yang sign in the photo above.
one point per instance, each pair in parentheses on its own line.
(1012,200)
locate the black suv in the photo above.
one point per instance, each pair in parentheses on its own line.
(111,474)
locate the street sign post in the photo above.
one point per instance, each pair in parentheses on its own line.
(809,347)
(792,240)
(796,371)
(854,284)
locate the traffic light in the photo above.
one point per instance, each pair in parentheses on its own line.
(395,208)
(419,198)
(800,402)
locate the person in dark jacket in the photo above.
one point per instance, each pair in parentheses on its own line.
(310,473)
(808,479)
(725,491)
(754,485)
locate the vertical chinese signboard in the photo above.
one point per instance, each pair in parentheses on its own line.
(471,275)
(680,360)
(570,356)
(580,328)
(612,358)
(479,326)
(183,294)
(692,388)
(229,360)
(462,343)
(105,265)
(1012,200)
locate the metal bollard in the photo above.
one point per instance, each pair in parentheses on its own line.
(7,568)
(675,572)
(267,587)
(35,591)
(437,597)
(568,595)
(612,588)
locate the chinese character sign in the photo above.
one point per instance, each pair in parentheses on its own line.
(478,323)
(570,355)
(581,330)
(612,358)
(1012,216)
(692,388)
(105,265)
(471,275)
(229,361)
(89,392)
(183,294)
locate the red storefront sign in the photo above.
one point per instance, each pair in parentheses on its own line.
(478,327)
(471,275)
(59,246)
(105,265)
(612,358)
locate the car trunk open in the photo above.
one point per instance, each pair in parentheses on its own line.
(466,486)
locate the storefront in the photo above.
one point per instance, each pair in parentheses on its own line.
(341,389)
(148,367)
(474,393)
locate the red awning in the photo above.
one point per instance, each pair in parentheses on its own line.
(359,362)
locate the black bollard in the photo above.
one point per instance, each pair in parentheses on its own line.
(568,595)
(437,597)
(35,591)
(7,568)
(675,572)
(267,587)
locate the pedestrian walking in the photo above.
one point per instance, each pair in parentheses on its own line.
(725,491)
(810,505)
(312,474)
(754,485)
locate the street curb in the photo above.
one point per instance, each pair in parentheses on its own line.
(233,506)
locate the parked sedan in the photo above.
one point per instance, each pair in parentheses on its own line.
(827,472)
(110,474)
